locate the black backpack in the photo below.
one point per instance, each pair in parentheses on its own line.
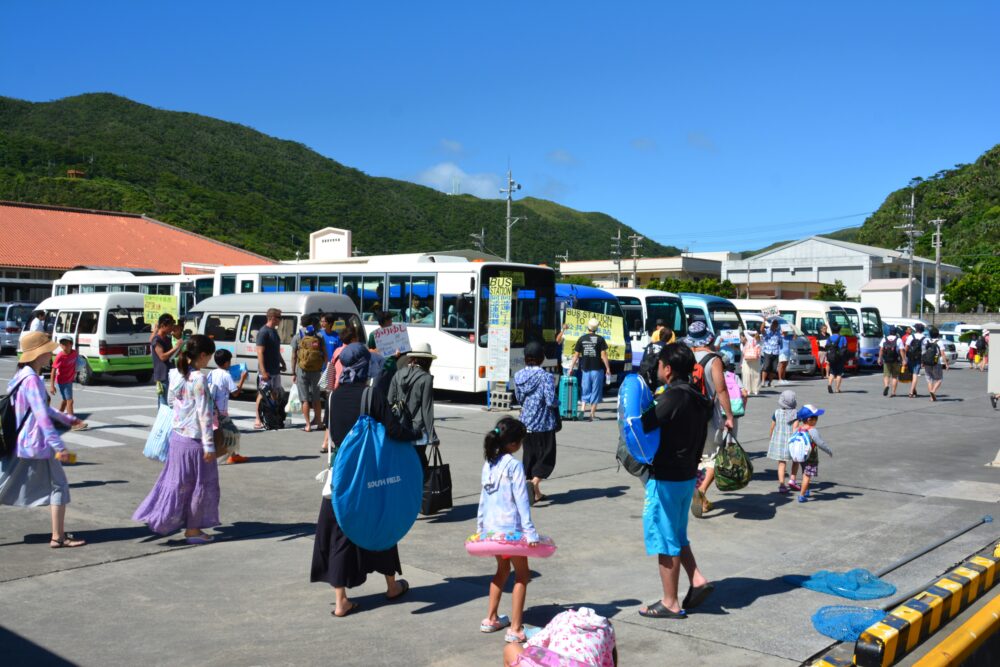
(890,351)
(9,428)
(931,355)
(627,461)
(648,367)
(913,350)
(833,350)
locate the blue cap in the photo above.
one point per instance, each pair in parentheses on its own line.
(807,411)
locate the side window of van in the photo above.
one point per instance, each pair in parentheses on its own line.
(66,321)
(286,328)
(88,322)
(811,325)
(221,328)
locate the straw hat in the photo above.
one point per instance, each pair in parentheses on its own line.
(421,351)
(34,345)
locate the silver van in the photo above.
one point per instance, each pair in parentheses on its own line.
(13,318)
(233,320)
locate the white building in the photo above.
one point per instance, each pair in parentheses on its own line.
(800,269)
(604,272)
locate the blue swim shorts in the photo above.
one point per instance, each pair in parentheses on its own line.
(665,516)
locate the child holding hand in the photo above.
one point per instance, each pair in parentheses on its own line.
(504,508)
(807,416)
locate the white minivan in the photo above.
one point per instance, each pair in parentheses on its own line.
(108,330)
(642,308)
(233,320)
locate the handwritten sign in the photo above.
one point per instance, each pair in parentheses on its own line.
(392,338)
(155,305)
(609,327)
(770,311)
(498,347)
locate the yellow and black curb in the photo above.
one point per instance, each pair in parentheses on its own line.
(906,626)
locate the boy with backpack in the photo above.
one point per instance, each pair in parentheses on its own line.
(802,447)
(309,353)
(934,360)
(836,358)
(890,357)
(914,353)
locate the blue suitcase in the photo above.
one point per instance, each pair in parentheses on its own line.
(569,397)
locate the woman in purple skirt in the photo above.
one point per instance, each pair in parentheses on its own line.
(186,495)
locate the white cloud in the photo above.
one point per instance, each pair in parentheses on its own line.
(449,177)
(562,156)
(701,141)
(452,147)
(644,144)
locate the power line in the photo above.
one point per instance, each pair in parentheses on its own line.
(783,225)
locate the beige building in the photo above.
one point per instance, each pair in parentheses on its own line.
(689,266)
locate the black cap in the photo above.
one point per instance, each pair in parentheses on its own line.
(661,323)
(534,350)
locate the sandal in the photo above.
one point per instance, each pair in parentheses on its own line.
(353,608)
(510,637)
(698,501)
(658,610)
(697,595)
(405,585)
(494,626)
(67,541)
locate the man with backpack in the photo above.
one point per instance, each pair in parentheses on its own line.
(270,363)
(890,357)
(681,413)
(934,359)
(914,347)
(708,376)
(309,353)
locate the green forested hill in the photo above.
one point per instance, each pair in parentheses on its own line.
(966,197)
(264,194)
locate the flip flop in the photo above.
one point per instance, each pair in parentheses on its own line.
(511,637)
(67,542)
(697,503)
(200,539)
(697,595)
(350,611)
(501,623)
(406,588)
(657,610)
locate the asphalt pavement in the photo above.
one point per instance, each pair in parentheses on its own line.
(905,472)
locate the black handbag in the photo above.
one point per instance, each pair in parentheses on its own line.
(558,419)
(437,484)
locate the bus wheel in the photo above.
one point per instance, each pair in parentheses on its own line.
(142,377)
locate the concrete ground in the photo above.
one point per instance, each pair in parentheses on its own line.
(906,472)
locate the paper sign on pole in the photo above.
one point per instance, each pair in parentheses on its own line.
(155,305)
(609,327)
(498,347)
(391,339)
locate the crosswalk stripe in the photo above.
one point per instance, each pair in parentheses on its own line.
(74,438)
(115,429)
(142,420)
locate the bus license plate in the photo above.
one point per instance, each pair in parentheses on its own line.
(136,350)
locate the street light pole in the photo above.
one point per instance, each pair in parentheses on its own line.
(509,191)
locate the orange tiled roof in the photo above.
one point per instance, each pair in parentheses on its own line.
(49,237)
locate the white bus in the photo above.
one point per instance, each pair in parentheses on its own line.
(866,321)
(188,288)
(442,298)
(643,307)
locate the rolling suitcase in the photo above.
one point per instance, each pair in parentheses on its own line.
(569,397)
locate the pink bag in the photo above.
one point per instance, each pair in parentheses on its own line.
(751,350)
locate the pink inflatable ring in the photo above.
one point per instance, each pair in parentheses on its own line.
(508,544)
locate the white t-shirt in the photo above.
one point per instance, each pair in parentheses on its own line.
(222,385)
(37,325)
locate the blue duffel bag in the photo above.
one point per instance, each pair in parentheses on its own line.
(377,484)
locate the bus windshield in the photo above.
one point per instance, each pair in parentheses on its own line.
(632,308)
(666,308)
(601,306)
(871,323)
(838,320)
(533,304)
(723,317)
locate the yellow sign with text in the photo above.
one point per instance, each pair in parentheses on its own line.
(609,327)
(155,305)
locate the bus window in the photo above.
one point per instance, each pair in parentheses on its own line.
(66,322)
(132,288)
(694,315)
(221,328)
(246,286)
(88,322)
(871,324)
(666,308)
(327,284)
(632,309)
(126,321)
(724,317)
(838,321)
(308,283)
(286,328)
(277,283)
(532,305)
(810,325)
(227,285)
(352,289)
(372,293)
(789,316)
(399,296)
(421,308)
(458,313)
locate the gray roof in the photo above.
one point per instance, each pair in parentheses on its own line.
(856,247)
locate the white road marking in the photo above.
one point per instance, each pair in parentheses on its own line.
(115,429)
(117,407)
(75,438)
(142,420)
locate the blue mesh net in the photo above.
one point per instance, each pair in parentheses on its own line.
(854,584)
(845,623)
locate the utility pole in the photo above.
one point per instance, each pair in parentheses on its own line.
(480,240)
(616,256)
(511,188)
(937,222)
(564,257)
(911,233)
(636,244)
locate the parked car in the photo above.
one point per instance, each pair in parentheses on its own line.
(13,318)
(801,359)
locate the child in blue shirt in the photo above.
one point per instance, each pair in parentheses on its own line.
(504,508)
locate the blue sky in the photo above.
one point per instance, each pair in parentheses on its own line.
(724,125)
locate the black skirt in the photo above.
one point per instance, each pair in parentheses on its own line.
(341,563)
(539,454)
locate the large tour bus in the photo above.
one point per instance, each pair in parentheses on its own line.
(188,288)
(866,321)
(443,299)
(593,300)
(643,307)
(807,315)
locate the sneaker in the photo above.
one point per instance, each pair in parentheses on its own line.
(782,489)
(807,494)
(885,391)
(792,484)
(236,458)
(829,388)
(803,499)
(993,400)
